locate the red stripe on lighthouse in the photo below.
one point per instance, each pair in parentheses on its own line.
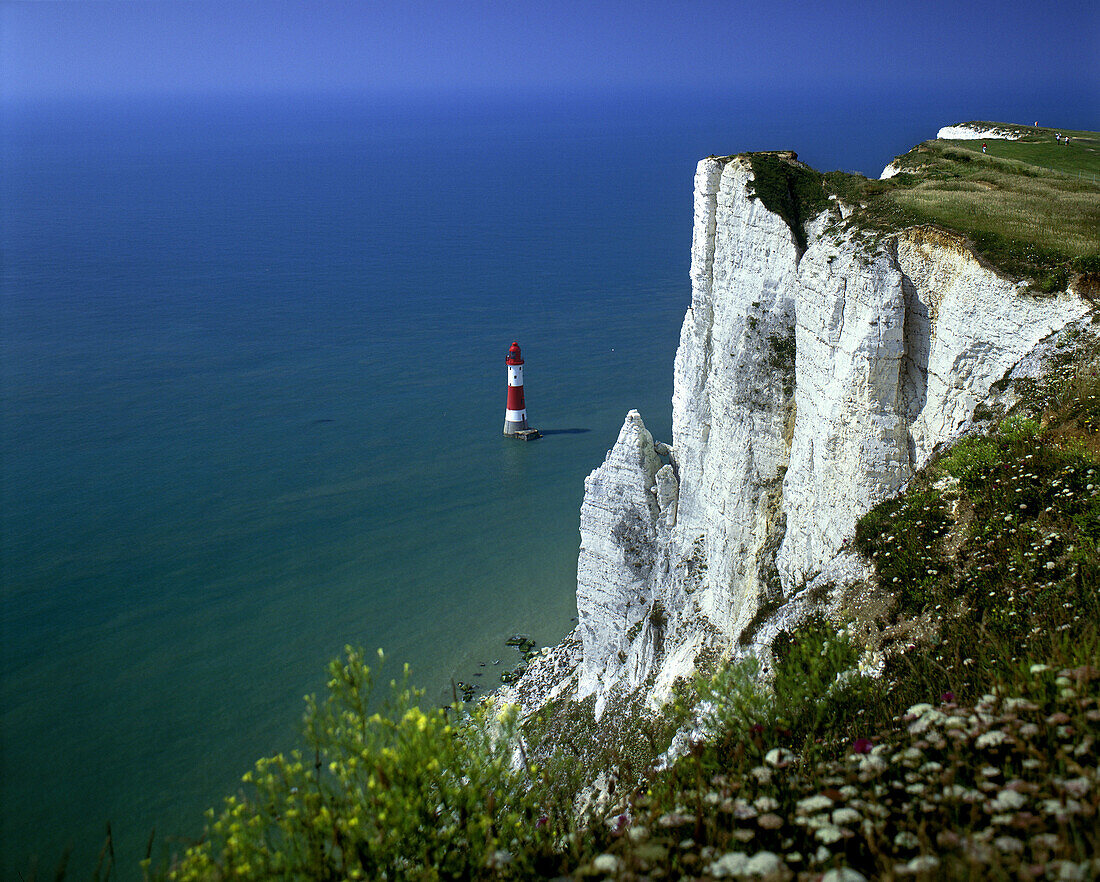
(515,398)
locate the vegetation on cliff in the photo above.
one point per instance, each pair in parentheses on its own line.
(1029,207)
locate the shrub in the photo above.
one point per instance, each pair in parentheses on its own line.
(904,538)
(814,678)
(400,793)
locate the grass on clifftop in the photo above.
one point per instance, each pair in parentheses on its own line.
(789,188)
(1031,207)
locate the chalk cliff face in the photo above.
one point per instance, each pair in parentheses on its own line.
(809,385)
(966,132)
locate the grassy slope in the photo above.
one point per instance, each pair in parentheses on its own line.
(1031,207)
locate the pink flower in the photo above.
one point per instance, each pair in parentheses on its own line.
(947,697)
(861,745)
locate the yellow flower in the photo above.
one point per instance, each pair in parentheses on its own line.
(416,715)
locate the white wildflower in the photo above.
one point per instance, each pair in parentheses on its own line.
(761,774)
(925,863)
(845,815)
(872,763)
(765,865)
(843,874)
(905,839)
(731,864)
(1068,871)
(1008,800)
(992,738)
(828,834)
(499,859)
(813,804)
(1009,844)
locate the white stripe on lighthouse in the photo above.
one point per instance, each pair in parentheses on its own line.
(515,416)
(515,375)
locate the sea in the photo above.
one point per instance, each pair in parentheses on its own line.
(252,388)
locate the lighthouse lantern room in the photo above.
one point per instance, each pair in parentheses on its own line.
(515,416)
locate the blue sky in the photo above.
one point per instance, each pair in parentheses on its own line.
(90,48)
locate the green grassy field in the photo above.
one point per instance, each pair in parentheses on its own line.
(1037,146)
(1030,207)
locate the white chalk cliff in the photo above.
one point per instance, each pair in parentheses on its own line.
(972,132)
(809,384)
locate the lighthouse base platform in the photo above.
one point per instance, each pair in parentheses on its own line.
(524,434)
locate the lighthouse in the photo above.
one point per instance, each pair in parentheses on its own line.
(515,416)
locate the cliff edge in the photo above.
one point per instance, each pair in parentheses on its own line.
(821,363)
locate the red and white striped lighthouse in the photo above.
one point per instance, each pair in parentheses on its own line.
(515,417)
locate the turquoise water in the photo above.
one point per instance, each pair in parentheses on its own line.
(253,387)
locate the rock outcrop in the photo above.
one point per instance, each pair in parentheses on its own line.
(892,169)
(810,382)
(973,132)
(960,132)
